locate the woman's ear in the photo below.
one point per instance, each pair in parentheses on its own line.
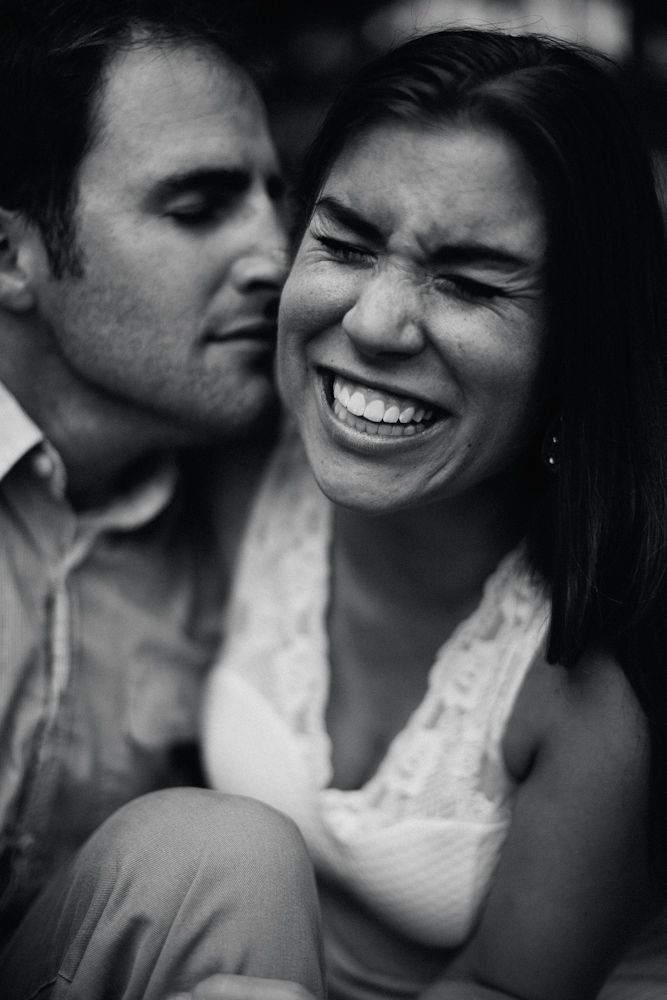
(16,291)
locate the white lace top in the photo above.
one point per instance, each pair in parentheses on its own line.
(419,841)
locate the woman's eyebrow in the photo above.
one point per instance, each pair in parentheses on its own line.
(473,252)
(346,216)
(455,253)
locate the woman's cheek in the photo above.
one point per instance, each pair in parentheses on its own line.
(298,304)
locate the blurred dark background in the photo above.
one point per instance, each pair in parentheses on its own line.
(316,45)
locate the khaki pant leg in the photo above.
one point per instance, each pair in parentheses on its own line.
(176,886)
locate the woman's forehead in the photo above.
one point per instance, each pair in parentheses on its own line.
(455,181)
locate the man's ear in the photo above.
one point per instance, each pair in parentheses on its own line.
(16,291)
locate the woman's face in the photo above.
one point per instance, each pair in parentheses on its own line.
(412,325)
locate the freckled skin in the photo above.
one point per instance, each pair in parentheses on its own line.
(378,303)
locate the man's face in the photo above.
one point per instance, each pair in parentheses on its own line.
(179,223)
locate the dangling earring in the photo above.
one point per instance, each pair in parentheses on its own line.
(551,446)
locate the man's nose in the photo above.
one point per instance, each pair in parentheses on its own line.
(263,260)
(385,318)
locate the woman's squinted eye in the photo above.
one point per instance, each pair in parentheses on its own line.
(457,285)
(341,250)
(466,288)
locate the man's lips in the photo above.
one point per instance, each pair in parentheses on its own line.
(263,331)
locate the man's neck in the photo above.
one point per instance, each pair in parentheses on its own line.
(105,447)
(93,492)
(105,455)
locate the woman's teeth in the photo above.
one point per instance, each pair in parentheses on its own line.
(376,412)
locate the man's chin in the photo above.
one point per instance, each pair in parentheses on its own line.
(261,423)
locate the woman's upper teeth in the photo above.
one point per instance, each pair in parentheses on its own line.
(377,406)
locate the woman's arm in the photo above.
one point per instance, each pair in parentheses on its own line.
(572,884)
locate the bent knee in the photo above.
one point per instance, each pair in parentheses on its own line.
(185,830)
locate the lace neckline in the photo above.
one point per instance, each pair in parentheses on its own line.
(278,642)
(507,586)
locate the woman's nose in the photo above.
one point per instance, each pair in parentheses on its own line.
(385,317)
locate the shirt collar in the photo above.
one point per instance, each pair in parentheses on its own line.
(138,506)
(19,434)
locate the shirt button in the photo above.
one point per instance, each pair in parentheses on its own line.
(42,465)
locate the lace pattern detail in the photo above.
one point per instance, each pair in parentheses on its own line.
(446,762)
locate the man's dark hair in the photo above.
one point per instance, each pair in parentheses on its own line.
(53,59)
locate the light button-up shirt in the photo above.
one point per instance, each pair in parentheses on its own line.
(108,620)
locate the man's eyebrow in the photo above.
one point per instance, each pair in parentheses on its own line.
(346,216)
(230,180)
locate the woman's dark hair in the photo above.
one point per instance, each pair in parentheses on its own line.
(599,533)
(53,60)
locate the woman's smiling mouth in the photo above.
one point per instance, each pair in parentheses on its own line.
(373,411)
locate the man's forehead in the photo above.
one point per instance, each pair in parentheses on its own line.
(177,107)
(152,83)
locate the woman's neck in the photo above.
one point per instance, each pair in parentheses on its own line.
(400,584)
(436,555)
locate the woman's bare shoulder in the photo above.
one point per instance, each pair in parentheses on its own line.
(589,708)
(573,882)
